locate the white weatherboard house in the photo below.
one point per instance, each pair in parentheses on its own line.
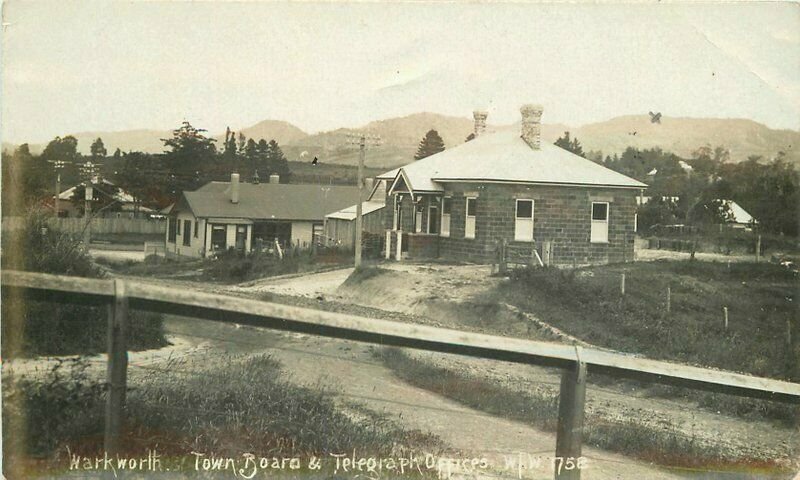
(243,216)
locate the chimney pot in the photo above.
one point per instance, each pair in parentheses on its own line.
(274,178)
(480,122)
(531,130)
(234,188)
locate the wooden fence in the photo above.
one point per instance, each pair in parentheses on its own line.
(99,225)
(119,296)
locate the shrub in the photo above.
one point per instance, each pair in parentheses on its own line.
(31,328)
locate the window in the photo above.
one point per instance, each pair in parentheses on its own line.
(469,223)
(418,219)
(219,236)
(187,233)
(447,207)
(178,225)
(196,228)
(523,221)
(171,229)
(599,222)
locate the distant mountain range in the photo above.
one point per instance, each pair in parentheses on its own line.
(400,137)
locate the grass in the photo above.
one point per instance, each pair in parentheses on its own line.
(364,273)
(232,267)
(252,407)
(761,300)
(538,406)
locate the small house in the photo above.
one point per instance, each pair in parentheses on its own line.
(340,226)
(509,187)
(251,216)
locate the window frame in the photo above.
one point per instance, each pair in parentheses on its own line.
(597,237)
(445,232)
(528,221)
(469,227)
(187,237)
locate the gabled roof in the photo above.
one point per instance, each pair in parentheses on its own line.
(738,214)
(268,201)
(120,195)
(349,213)
(505,157)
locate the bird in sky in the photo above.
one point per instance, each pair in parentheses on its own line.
(655,117)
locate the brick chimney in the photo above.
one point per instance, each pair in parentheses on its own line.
(234,188)
(531,130)
(274,178)
(480,122)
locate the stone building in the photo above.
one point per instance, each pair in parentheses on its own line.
(509,186)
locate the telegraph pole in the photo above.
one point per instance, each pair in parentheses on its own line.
(89,171)
(362,140)
(58,165)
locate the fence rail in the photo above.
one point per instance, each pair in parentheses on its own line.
(576,362)
(99,225)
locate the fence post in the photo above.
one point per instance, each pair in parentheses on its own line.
(569,436)
(622,284)
(547,252)
(758,248)
(117,368)
(503,258)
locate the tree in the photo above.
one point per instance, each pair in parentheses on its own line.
(276,163)
(191,156)
(62,149)
(572,145)
(431,144)
(98,150)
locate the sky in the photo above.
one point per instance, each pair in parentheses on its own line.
(72,66)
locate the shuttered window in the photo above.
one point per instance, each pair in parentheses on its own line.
(447,207)
(469,222)
(599,232)
(523,221)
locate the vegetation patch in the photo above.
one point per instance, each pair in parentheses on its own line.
(362,274)
(538,406)
(253,407)
(55,327)
(760,300)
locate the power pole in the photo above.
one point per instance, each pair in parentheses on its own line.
(58,165)
(362,140)
(89,172)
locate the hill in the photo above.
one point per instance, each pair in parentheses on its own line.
(683,136)
(401,136)
(280,131)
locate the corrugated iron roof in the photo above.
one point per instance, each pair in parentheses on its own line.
(505,157)
(349,213)
(268,201)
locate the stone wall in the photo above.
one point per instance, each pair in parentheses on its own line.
(562,215)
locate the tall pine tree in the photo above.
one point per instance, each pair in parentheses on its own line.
(431,143)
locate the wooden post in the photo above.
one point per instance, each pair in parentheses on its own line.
(758,248)
(569,436)
(503,258)
(547,252)
(669,299)
(622,284)
(725,312)
(359,213)
(117,368)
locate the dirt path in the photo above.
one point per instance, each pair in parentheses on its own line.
(351,369)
